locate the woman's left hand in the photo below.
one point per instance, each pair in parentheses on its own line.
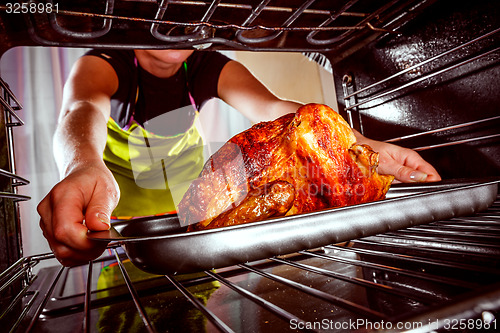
(404,164)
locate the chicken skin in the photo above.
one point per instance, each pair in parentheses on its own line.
(298,163)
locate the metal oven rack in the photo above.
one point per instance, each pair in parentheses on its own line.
(10,231)
(263,25)
(423,278)
(10,249)
(353,99)
(431,89)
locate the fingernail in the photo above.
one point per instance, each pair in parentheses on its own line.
(418,176)
(103,218)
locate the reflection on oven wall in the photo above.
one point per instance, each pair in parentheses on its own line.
(36,75)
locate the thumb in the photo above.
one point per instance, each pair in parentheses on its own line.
(98,212)
(407,175)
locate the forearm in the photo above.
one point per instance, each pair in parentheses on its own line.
(279,108)
(80,137)
(360,137)
(240,89)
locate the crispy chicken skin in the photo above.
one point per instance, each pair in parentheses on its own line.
(310,156)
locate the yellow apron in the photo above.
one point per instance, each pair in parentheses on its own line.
(152,171)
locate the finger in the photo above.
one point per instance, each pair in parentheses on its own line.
(408,175)
(433,176)
(68,256)
(401,172)
(45,213)
(69,234)
(100,207)
(417,163)
(56,230)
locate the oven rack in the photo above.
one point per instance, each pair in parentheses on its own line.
(10,104)
(294,25)
(10,233)
(354,99)
(421,277)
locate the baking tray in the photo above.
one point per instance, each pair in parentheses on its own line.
(159,245)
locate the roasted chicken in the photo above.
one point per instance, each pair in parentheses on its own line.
(299,163)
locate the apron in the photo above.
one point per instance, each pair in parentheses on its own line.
(153,171)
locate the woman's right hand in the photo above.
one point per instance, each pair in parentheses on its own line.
(82,201)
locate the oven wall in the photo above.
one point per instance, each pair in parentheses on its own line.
(36,76)
(464,94)
(10,246)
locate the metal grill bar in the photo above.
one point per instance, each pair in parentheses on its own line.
(9,96)
(16,197)
(387,268)
(450,238)
(451,230)
(133,293)
(442,129)
(281,313)
(420,64)
(295,15)
(365,23)
(383,240)
(208,314)
(6,99)
(16,277)
(203,31)
(433,246)
(16,300)
(12,270)
(45,298)
(479,237)
(18,272)
(364,311)
(19,180)
(396,253)
(88,295)
(218,26)
(106,25)
(365,283)
(332,18)
(425,77)
(23,314)
(213,25)
(447,144)
(266,8)
(185,37)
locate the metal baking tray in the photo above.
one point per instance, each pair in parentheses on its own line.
(159,245)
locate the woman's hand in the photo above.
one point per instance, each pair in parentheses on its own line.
(82,201)
(404,164)
(87,194)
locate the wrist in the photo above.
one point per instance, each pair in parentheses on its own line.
(361,139)
(80,163)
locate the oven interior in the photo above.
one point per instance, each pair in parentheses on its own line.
(422,74)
